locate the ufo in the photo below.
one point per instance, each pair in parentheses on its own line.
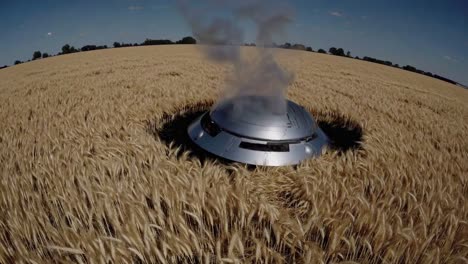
(251,130)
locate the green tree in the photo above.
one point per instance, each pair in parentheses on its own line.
(322,51)
(409,68)
(36,55)
(287,45)
(45,55)
(187,40)
(66,49)
(340,52)
(337,52)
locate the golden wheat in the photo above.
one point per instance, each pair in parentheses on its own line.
(87,174)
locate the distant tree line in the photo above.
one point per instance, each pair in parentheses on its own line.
(149,42)
(92,47)
(409,68)
(67,49)
(341,52)
(388,63)
(122,45)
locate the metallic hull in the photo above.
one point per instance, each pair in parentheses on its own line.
(259,138)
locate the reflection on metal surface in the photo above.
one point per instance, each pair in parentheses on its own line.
(251,133)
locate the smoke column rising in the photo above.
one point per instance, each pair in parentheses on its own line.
(217,25)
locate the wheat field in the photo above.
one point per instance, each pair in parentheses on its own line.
(94,168)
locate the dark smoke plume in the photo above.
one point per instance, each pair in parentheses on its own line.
(217,25)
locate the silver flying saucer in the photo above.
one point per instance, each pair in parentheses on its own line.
(248,129)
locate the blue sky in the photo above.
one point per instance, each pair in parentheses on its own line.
(430,35)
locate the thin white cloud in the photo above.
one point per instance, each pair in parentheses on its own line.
(49,34)
(336,13)
(450,58)
(135,8)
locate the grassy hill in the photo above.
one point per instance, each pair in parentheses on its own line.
(87,173)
